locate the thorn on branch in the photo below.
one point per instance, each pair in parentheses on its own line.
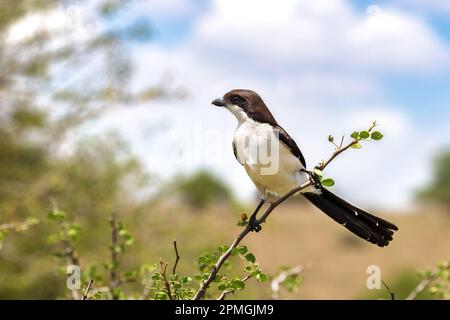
(389,290)
(166,282)
(177,257)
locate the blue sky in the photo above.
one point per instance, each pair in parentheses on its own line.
(323,66)
(417,94)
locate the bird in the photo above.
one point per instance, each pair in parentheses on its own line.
(259,138)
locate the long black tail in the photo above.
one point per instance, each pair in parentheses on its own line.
(361,223)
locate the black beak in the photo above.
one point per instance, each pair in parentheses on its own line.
(219,102)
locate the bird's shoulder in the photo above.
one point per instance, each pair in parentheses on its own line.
(286,139)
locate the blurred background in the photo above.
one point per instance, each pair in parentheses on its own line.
(105,107)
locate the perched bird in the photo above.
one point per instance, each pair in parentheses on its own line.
(275,164)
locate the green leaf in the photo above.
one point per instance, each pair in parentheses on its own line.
(202,259)
(330,138)
(355,135)
(222,286)
(176,285)
(57,215)
(356,146)
(250,258)
(328,182)
(364,134)
(262,277)
(198,277)
(242,250)
(376,135)
(156,276)
(235,251)
(238,284)
(51,239)
(72,233)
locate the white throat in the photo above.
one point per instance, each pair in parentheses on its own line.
(240,114)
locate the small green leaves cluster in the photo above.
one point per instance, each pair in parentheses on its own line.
(21,226)
(326,182)
(158,283)
(440,287)
(365,135)
(357,137)
(179,285)
(292,281)
(225,281)
(67,231)
(128,239)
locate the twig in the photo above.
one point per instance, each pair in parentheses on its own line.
(177,257)
(388,289)
(341,149)
(113,279)
(426,282)
(86,291)
(166,282)
(215,269)
(71,260)
(69,252)
(421,286)
(277,281)
(229,291)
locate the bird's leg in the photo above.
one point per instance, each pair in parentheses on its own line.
(315,180)
(253,223)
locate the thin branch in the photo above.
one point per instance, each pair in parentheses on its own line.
(177,257)
(86,291)
(166,282)
(69,252)
(337,152)
(389,290)
(215,269)
(341,149)
(113,279)
(230,291)
(71,260)
(425,283)
(421,286)
(275,284)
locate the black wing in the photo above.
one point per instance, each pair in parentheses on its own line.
(290,143)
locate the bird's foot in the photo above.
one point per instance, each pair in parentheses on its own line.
(313,177)
(254,224)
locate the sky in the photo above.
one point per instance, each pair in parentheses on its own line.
(323,67)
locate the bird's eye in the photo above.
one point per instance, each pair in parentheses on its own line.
(236,100)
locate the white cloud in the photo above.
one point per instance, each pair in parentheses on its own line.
(300,33)
(318,65)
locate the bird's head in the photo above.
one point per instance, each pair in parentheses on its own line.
(245,104)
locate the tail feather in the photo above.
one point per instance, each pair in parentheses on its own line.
(365,225)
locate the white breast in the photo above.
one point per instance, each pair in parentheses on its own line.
(268,162)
